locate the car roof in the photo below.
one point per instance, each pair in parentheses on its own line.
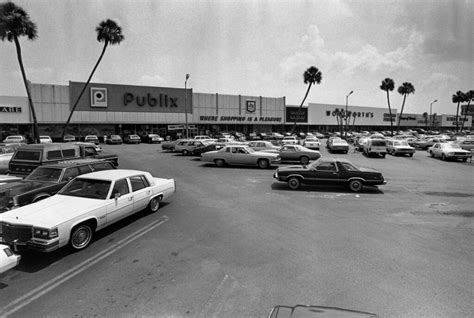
(113,174)
(71,163)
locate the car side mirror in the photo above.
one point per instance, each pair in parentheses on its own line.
(116,195)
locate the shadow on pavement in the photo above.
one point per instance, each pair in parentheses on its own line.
(282,186)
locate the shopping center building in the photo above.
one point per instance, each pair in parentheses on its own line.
(106,109)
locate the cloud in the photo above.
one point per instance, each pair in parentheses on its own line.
(152,80)
(312,50)
(440,80)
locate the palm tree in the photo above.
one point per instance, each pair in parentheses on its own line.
(311,76)
(405,89)
(425,116)
(14,23)
(458,98)
(468,97)
(108,32)
(388,85)
(354,115)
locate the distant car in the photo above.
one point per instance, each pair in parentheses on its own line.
(92,138)
(375,146)
(152,138)
(259,145)
(241,155)
(132,139)
(448,151)
(312,142)
(426,143)
(170,144)
(296,153)
(8,259)
(338,145)
(6,153)
(114,140)
(289,140)
(85,205)
(45,140)
(69,138)
(467,144)
(202,137)
(15,139)
(208,147)
(188,147)
(329,171)
(399,147)
(46,181)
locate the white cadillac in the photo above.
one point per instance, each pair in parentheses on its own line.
(86,204)
(8,259)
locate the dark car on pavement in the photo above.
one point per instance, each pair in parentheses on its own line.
(46,181)
(152,138)
(132,139)
(296,153)
(114,140)
(329,171)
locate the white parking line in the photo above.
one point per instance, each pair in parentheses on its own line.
(39,291)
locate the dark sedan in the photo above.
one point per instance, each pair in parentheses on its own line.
(46,181)
(329,171)
(114,140)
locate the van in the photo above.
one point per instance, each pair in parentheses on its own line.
(375,146)
(28,157)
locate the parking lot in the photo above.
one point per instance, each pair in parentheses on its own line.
(234,242)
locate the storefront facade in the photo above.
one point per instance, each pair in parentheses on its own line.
(106,109)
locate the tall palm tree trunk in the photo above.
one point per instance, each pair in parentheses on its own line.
(465,114)
(457,116)
(390,113)
(83,90)
(28,93)
(401,112)
(301,106)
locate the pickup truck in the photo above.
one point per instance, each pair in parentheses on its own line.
(29,157)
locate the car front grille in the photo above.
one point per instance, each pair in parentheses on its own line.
(12,232)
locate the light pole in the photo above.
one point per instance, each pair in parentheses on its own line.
(347,98)
(185,104)
(431,108)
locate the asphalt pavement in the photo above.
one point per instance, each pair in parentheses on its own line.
(234,242)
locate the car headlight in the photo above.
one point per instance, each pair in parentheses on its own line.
(43,233)
(450,154)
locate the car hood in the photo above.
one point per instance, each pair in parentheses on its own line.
(21,186)
(51,211)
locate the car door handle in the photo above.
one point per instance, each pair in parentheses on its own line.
(130,198)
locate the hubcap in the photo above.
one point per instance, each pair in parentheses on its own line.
(81,237)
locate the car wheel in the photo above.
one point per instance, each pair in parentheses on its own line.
(383,155)
(464,159)
(345,152)
(185,152)
(355,185)
(431,154)
(263,163)
(219,162)
(304,160)
(411,155)
(154,204)
(443,157)
(81,236)
(294,183)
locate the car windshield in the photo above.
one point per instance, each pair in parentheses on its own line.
(45,174)
(87,188)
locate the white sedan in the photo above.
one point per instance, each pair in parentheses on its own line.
(312,142)
(447,151)
(8,259)
(85,205)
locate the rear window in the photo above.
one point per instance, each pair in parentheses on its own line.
(69,153)
(54,154)
(380,143)
(102,166)
(28,155)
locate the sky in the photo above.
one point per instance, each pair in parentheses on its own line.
(257,48)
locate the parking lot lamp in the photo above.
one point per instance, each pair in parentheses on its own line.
(185,104)
(431,109)
(347,98)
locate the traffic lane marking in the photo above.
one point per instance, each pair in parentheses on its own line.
(45,288)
